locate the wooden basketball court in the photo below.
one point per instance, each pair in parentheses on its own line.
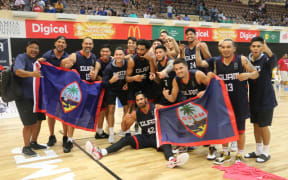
(127,163)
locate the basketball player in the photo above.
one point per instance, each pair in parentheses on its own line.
(84,62)
(189,53)
(101,63)
(131,47)
(115,86)
(261,97)
(144,115)
(54,57)
(231,68)
(283,68)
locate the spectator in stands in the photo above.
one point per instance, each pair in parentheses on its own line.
(82,10)
(147,15)
(27,5)
(201,9)
(125,3)
(36,7)
(20,4)
(41,3)
(124,14)
(95,11)
(169,11)
(89,5)
(59,7)
(101,12)
(186,18)
(150,6)
(213,13)
(133,14)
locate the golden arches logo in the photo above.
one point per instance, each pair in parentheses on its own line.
(133,31)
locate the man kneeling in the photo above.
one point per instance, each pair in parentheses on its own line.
(144,115)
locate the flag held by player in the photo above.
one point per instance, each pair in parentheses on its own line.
(61,94)
(198,121)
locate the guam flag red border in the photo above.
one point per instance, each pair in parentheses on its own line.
(36,85)
(204,142)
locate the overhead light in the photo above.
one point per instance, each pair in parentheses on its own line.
(181,23)
(277,28)
(66,16)
(25,14)
(244,26)
(156,21)
(224,25)
(206,24)
(130,20)
(97,18)
(259,27)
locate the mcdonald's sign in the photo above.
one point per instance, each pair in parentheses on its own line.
(134,31)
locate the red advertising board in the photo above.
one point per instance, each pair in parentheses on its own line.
(79,30)
(246,35)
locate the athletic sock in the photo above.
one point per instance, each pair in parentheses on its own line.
(111,131)
(99,131)
(266,150)
(70,139)
(259,149)
(104,152)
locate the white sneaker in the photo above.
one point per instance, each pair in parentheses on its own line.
(234,146)
(178,161)
(111,138)
(95,152)
(212,153)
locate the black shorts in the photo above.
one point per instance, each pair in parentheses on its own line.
(25,110)
(111,97)
(263,119)
(240,121)
(145,141)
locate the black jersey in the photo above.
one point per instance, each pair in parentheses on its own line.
(192,88)
(261,92)
(103,65)
(52,59)
(147,121)
(83,65)
(141,67)
(109,72)
(190,58)
(166,82)
(237,90)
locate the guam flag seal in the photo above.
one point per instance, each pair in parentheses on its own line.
(61,94)
(198,121)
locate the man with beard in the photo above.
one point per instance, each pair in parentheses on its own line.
(101,63)
(232,69)
(54,57)
(261,97)
(189,53)
(115,85)
(84,62)
(144,115)
(131,47)
(23,69)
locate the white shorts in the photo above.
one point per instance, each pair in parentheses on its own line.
(284,75)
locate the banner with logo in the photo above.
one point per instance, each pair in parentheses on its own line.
(4,52)
(270,36)
(174,31)
(246,35)
(284,37)
(195,122)
(79,30)
(12,28)
(61,94)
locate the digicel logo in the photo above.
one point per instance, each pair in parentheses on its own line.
(49,29)
(200,33)
(247,36)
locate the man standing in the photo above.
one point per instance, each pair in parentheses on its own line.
(115,84)
(84,63)
(54,57)
(232,69)
(283,68)
(101,63)
(262,97)
(144,115)
(23,68)
(189,53)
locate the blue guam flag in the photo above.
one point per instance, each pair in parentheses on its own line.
(61,94)
(198,121)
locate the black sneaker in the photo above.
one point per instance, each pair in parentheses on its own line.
(101,136)
(36,146)
(64,139)
(52,140)
(68,146)
(28,151)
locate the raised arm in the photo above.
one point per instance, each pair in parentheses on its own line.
(205,50)
(199,61)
